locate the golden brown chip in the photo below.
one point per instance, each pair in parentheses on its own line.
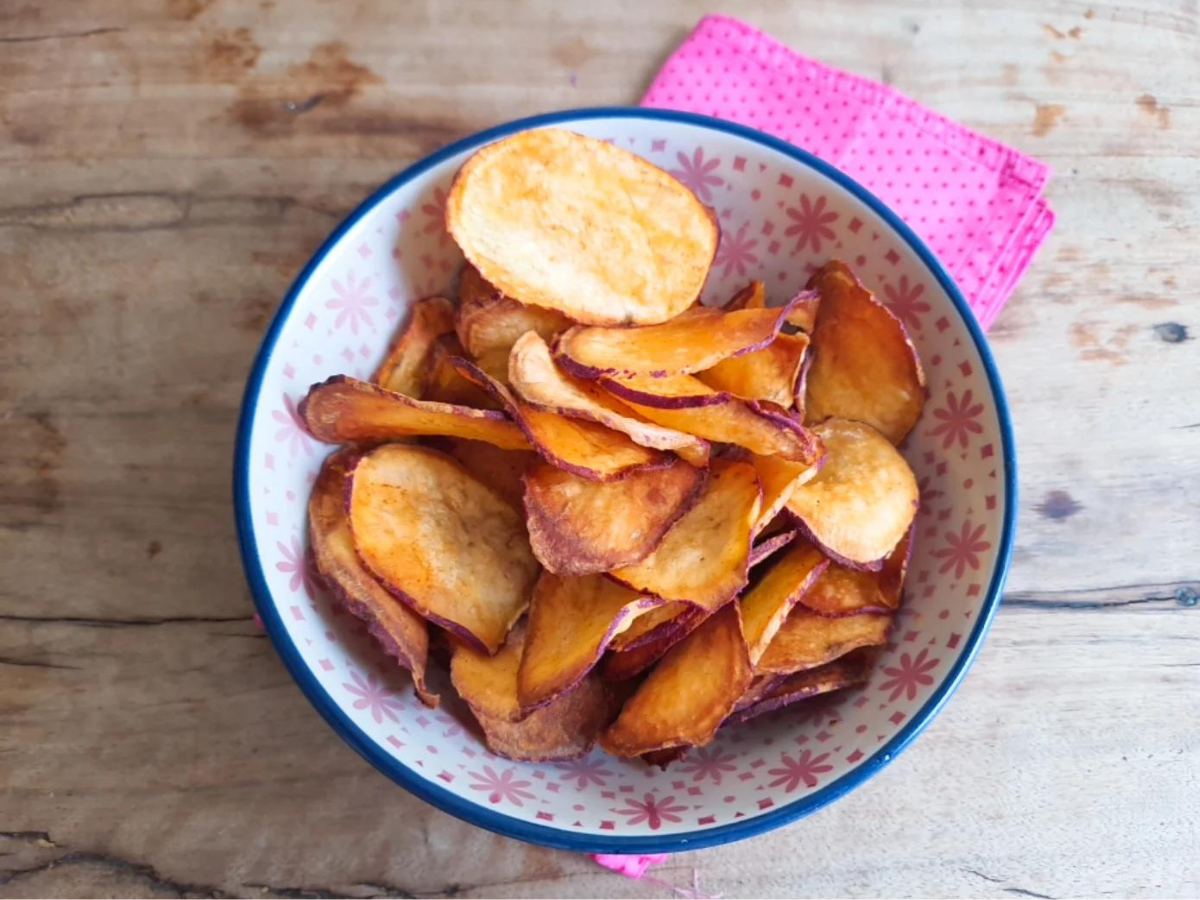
(444,383)
(895,567)
(762,428)
(752,296)
(846,592)
(666,391)
(581,527)
(489,323)
(767,547)
(758,427)
(772,373)
(403,634)
(623,664)
(488,683)
(571,621)
(645,628)
(803,314)
(768,603)
(864,368)
(798,407)
(686,697)
(807,640)
(862,501)
(572,223)
(691,342)
(565,728)
(346,410)
(406,365)
(760,687)
(845,671)
(586,449)
(449,546)
(779,477)
(501,470)
(540,383)
(704,559)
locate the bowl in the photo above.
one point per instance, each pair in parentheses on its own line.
(782,212)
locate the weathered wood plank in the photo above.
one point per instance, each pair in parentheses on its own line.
(215,772)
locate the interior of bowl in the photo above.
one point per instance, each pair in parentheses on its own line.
(782,213)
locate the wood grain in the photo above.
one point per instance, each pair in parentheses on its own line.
(166,168)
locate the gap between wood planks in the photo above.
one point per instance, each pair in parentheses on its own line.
(1179,595)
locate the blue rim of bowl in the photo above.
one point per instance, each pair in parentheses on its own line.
(510,826)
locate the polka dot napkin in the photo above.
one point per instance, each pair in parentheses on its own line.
(975,202)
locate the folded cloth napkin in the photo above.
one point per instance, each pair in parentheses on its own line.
(975,202)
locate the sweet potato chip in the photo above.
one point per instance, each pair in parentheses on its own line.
(586,449)
(406,365)
(864,368)
(488,683)
(571,621)
(449,546)
(581,527)
(489,323)
(565,728)
(501,470)
(540,383)
(444,383)
(863,499)
(846,671)
(846,592)
(766,605)
(802,386)
(623,664)
(803,314)
(689,405)
(704,559)
(665,391)
(687,696)
(807,640)
(760,687)
(648,627)
(403,634)
(691,342)
(572,223)
(346,410)
(759,427)
(895,567)
(752,296)
(772,373)
(779,477)
(767,547)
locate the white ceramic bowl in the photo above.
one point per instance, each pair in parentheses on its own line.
(782,212)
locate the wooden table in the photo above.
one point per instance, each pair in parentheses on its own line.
(167,167)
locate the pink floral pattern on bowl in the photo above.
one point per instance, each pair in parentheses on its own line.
(781,216)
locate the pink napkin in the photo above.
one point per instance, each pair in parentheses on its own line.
(975,202)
